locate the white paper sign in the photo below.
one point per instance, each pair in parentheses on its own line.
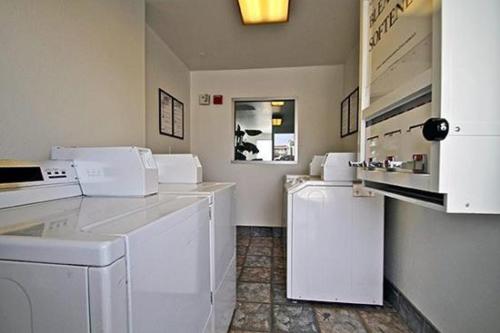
(165,113)
(396,27)
(178,116)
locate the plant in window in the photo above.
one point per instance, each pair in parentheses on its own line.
(242,146)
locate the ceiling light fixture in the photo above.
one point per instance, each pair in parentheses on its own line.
(277,103)
(277,121)
(264,11)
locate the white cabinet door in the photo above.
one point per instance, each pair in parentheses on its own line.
(223,256)
(320,244)
(337,244)
(43,298)
(169,262)
(223,238)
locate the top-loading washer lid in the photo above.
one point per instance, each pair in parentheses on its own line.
(170,210)
(55,231)
(296,187)
(204,188)
(200,188)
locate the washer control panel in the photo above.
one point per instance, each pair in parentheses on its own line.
(15,174)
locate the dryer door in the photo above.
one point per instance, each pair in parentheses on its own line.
(43,298)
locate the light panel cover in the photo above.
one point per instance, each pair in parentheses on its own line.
(264,11)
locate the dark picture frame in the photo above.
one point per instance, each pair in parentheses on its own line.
(349,114)
(165,105)
(344,117)
(171,111)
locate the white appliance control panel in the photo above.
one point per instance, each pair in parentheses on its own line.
(15,174)
(429,121)
(179,168)
(112,171)
(23,182)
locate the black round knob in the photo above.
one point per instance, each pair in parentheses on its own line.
(436,129)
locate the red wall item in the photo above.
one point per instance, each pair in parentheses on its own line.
(218,99)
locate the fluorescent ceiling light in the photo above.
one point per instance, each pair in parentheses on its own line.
(277,121)
(277,103)
(264,11)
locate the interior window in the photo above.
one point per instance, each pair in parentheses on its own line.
(264,130)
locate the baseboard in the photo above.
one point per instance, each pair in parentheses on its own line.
(417,322)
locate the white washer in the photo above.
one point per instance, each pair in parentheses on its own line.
(334,242)
(222,245)
(108,265)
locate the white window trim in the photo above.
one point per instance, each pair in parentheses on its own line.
(264,99)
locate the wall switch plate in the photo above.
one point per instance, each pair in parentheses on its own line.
(204,99)
(218,99)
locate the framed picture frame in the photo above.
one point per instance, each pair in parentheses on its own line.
(349,113)
(165,102)
(353,111)
(344,118)
(171,115)
(178,119)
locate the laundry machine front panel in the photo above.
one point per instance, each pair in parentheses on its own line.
(43,298)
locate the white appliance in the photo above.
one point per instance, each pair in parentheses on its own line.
(429,121)
(336,167)
(334,241)
(86,264)
(179,168)
(315,165)
(222,232)
(112,171)
(28,175)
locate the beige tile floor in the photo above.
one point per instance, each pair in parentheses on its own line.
(262,305)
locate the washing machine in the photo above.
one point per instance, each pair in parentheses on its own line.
(182,174)
(71,263)
(334,233)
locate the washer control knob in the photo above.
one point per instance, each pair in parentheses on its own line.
(435,129)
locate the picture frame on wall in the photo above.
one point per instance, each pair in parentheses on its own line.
(178,117)
(344,118)
(171,115)
(165,113)
(353,111)
(349,113)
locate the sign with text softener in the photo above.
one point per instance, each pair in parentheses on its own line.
(396,27)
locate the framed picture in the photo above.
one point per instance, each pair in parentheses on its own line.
(349,113)
(171,115)
(178,119)
(353,111)
(166,102)
(344,118)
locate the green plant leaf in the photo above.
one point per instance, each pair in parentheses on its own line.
(253,132)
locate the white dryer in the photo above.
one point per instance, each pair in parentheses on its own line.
(84,264)
(334,241)
(222,245)
(182,174)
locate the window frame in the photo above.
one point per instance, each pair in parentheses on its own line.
(265,99)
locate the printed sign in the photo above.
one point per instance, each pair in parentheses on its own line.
(396,27)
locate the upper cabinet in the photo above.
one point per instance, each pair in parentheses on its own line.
(430,102)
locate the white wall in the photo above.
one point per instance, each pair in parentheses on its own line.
(72,73)
(447,265)
(259,187)
(165,70)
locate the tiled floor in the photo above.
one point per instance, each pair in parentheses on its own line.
(263,307)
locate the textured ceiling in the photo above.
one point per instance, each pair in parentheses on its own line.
(208,34)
